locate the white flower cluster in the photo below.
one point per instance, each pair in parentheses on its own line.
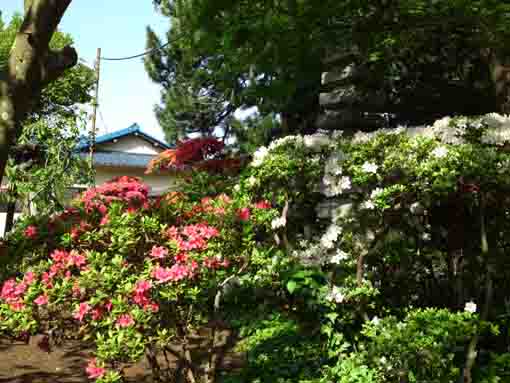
(369,167)
(362,137)
(278,222)
(339,257)
(317,141)
(452,130)
(259,156)
(296,140)
(335,295)
(330,236)
(252,181)
(440,152)
(470,307)
(332,184)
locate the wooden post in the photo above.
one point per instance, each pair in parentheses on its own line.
(94,115)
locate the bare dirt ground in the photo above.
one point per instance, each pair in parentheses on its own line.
(28,363)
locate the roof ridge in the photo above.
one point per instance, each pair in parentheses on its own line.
(133,128)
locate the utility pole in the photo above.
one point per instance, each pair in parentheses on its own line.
(94,115)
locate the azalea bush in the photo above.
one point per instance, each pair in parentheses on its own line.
(376,257)
(398,221)
(134,275)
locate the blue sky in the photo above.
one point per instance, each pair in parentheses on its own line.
(118,27)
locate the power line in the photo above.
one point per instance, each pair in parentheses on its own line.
(102,120)
(135,56)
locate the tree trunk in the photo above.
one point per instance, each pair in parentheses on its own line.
(30,67)
(500,76)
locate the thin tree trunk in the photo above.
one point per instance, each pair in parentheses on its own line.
(31,66)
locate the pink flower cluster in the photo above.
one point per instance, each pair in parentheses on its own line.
(12,293)
(125,320)
(208,204)
(93,371)
(62,262)
(31,232)
(216,263)
(175,273)
(125,189)
(244,213)
(141,296)
(196,236)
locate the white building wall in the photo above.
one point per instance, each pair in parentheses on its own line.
(131,144)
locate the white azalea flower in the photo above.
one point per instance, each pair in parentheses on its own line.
(440,152)
(415,207)
(376,193)
(316,141)
(367,205)
(345,183)
(375,320)
(251,181)
(330,236)
(426,236)
(369,167)
(259,155)
(237,187)
(335,295)
(278,222)
(470,307)
(339,257)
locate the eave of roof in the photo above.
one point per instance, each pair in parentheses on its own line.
(132,130)
(119,159)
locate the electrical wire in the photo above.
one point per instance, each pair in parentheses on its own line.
(180,36)
(136,56)
(102,120)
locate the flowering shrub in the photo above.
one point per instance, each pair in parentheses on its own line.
(133,274)
(385,252)
(398,215)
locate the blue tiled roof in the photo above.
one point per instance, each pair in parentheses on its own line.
(133,129)
(119,159)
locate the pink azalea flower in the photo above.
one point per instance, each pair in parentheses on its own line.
(77,259)
(59,255)
(162,274)
(179,272)
(263,205)
(152,306)
(20,289)
(93,371)
(17,305)
(159,252)
(82,310)
(29,278)
(141,299)
(108,305)
(31,232)
(102,209)
(172,232)
(125,320)
(97,313)
(182,257)
(142,286)
(105,220)
(8,289)
(41,300)
(244,214)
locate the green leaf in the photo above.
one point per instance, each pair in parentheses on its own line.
(291,286)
